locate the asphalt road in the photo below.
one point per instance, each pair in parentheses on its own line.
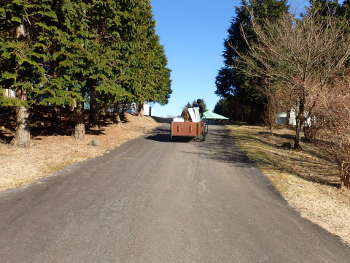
(156,201)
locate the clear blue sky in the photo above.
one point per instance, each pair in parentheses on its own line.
(193,32)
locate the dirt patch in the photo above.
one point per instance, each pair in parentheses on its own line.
(49,154)
(306,179)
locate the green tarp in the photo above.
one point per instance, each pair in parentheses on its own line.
(209,115)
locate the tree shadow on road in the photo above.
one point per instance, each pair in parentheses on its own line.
(220,146)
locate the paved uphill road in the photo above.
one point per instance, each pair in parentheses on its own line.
(155,201)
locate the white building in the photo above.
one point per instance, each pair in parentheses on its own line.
(10,93)
(282,118)
(147,109)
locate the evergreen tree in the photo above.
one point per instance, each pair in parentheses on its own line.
(325,8)
(161,77)
(22,56)
(202,106)
(70,61)
(108,21)
(345,9)
(65,53)
(226,108)
(232,82)
(50,59)
(132,64)
(147,78)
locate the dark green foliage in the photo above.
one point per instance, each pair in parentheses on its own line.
(345,9)
(231,82)
(225,107)
(130,64)
(326,8)
(22,24)
(188,105)
(201,104)
(232,108)
(146,77)
(101,52)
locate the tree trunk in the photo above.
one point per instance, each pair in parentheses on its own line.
(299,125)
(93,118)
(22,136)
(79,130)
(117,114)
(140,110)
(297,136)
(288,117)
(345,175)
(269,119)
(270,113)
(117,118)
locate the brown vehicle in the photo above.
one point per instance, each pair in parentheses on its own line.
(188,129)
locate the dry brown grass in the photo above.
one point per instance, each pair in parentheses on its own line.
(49,154)
(304,178)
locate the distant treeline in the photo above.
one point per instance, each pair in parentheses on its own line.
(64,54)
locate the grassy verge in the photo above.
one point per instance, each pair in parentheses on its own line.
(49,154)
(306,179)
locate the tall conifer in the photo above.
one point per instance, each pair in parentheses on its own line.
(22,56)
(231,82)
(147,77)
(66,53)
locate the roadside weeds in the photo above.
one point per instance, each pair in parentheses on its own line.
(306,179)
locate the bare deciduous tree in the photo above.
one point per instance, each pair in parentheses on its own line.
(273,106)
(333,117)
(304,56)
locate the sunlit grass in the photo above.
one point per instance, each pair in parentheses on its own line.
(304,178)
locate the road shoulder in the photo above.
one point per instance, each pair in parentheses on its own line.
(298,177)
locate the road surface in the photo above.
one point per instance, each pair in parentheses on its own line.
(156,201)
